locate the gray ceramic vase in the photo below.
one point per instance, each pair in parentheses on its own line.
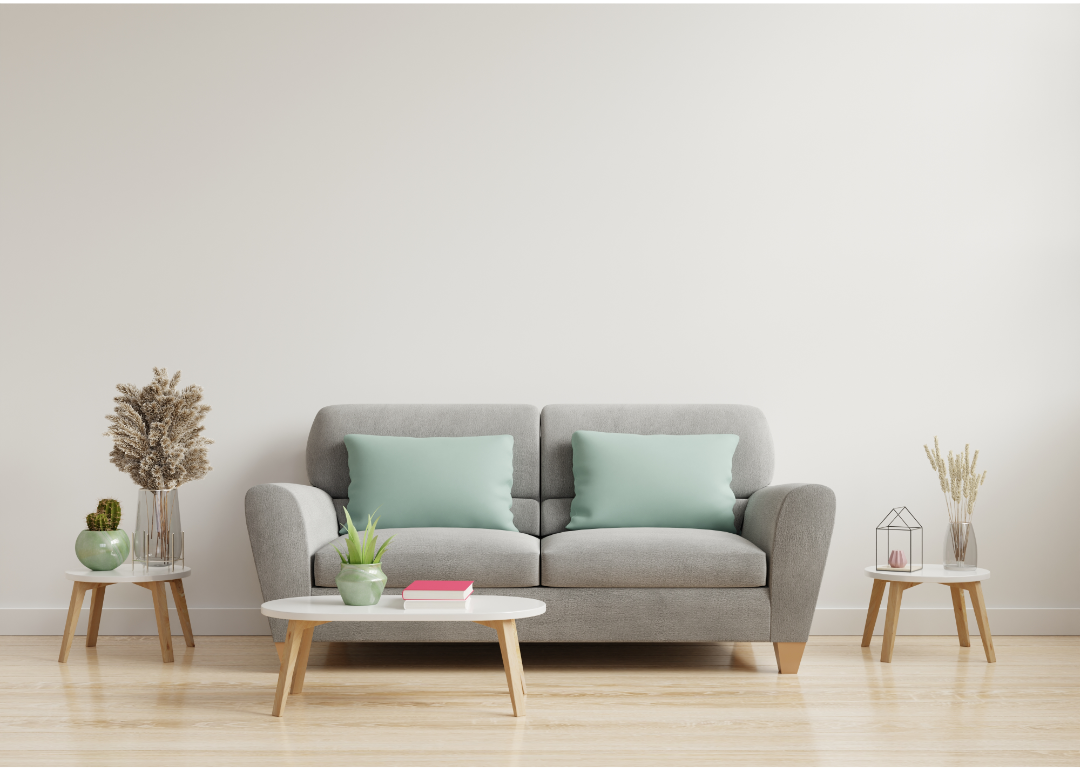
(102,551)
(361,585)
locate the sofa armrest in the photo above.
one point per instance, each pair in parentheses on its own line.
(792,524)
(287,524)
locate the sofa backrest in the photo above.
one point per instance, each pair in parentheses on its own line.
(328,460)
(751,467)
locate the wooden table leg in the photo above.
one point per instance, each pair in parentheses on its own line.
(78,592)
(293,640)
(960,611)
(161,613)
(302,658)
(979,605)
(511,657)
(871,614)
(97,599)
(181,609)
(892,616)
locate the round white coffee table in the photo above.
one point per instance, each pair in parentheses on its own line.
(153,579)
(306,612)
(899,582)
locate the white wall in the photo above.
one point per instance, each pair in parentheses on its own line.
(864,220)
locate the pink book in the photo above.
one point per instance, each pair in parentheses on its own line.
(437,590)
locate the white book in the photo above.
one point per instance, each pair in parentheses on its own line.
(445,605)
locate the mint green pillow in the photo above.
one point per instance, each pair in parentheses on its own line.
(431,482)
(627,480)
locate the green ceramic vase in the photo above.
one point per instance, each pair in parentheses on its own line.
(102,551)
(361,585)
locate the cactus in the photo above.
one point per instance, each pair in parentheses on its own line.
(106,518)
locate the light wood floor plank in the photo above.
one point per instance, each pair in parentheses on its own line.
(591,705)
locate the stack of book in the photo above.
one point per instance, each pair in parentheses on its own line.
(440,595)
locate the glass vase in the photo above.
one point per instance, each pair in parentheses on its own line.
(158,516)
(961,550)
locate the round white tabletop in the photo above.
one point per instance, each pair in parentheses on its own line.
(331,607)
(126,575)
(930,573)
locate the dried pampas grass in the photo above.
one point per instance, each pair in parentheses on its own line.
(960,482)
(157,433)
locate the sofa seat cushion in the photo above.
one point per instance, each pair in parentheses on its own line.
(650,557)
(492,558)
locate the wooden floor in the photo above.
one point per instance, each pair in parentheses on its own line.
(655,704)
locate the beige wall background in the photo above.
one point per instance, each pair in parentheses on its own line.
(863,220)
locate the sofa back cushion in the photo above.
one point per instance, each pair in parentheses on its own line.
(751,465)
(443,481)
(328,461)
(630,480)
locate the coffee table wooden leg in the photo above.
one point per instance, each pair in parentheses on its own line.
(511,656)
(97,599)
(302,660)
(892,616)
(960,611)
(181,609)
(871,614)
(293,639)
(78,592)
(979,605)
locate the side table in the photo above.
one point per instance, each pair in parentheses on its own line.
(153,579)
(899,582)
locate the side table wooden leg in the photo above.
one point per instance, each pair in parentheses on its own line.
(78,592)
(181,609)
(892,616)
(97,599)
(161,612)
(871,614)
(960,611)
(293,639)
(979,605)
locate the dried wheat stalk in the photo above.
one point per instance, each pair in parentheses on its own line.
(960,483)
(157,433)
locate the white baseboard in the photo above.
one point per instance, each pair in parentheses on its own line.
(827,622)
(1004,621)
(134,622)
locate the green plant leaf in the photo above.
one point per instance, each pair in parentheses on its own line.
(378,556)
(343,559)
(369,541)
(353,541)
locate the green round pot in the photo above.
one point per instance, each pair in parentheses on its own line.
(102,551)
(361,585)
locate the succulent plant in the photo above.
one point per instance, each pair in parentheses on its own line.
(106,518)
(362,551)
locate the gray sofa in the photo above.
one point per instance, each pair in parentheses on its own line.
(601,585)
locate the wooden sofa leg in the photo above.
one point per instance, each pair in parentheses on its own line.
(788,656)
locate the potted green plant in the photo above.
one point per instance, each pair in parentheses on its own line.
(361,580)
(103,546)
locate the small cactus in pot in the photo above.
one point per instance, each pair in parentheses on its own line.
(106,518)
(103,545)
